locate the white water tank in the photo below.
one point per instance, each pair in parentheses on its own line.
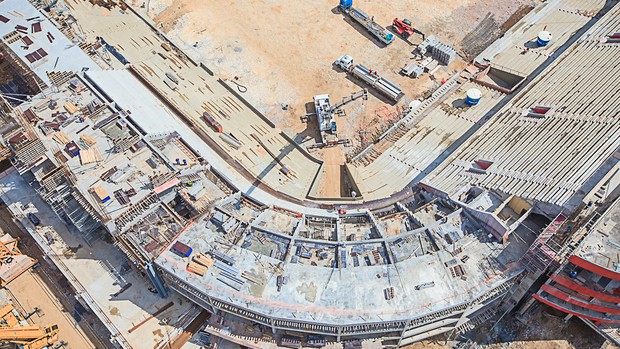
(543,38)
(473,96)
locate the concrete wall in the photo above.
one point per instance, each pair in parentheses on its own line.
(419,327)
(518,204)
(489,221)
(513,80)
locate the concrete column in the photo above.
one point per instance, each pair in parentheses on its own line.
(402,333)
(213,308)
(526,306)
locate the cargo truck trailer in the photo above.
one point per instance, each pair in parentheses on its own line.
(370,77)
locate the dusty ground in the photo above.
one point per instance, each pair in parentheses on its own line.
(43,287)
(283,51)
(30,292)
(541,328)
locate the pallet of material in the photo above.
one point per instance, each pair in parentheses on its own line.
(100,192)
(196,268)
(71,108)
(203,260)
(88,140)
(90,155)
(261,238)
(61,138)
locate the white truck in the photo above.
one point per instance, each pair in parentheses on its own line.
(371,77)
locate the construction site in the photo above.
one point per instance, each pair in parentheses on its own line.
(379,176)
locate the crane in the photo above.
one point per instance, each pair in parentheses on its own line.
(31,336)
(14,328)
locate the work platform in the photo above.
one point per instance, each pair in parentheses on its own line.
(411,261)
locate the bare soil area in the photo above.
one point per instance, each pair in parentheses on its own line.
(30,291)
(283,51)
(45,288)
(281,54)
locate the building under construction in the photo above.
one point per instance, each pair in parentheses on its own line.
(462,204)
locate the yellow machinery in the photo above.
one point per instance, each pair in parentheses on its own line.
(12,262)
(15,329)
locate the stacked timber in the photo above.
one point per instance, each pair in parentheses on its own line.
(197,268)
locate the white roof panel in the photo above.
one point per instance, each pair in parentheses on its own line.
(44,50)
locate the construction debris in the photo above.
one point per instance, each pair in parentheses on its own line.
(197,268)
(12,262)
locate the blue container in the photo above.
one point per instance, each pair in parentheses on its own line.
(473,96)
(181,249)
(346,4)
(471,101)
(543,38)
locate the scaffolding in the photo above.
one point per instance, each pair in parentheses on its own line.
(135,211)
(545,249)
(31,81)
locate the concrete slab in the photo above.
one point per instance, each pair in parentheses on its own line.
(98,272)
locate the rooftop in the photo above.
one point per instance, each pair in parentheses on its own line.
(109,161)
(602,245)
(38,42)
(456,255)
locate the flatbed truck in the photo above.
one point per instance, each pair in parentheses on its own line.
(367,21)
(371,77)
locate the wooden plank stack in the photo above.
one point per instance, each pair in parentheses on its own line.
(203,260)
(197,268)
(71,108)
(61,138)
(90,155)
(199,264)
(88,140)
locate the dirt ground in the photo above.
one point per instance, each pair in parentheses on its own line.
(283,51)
(540,328)
(45,288)
(30,291)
